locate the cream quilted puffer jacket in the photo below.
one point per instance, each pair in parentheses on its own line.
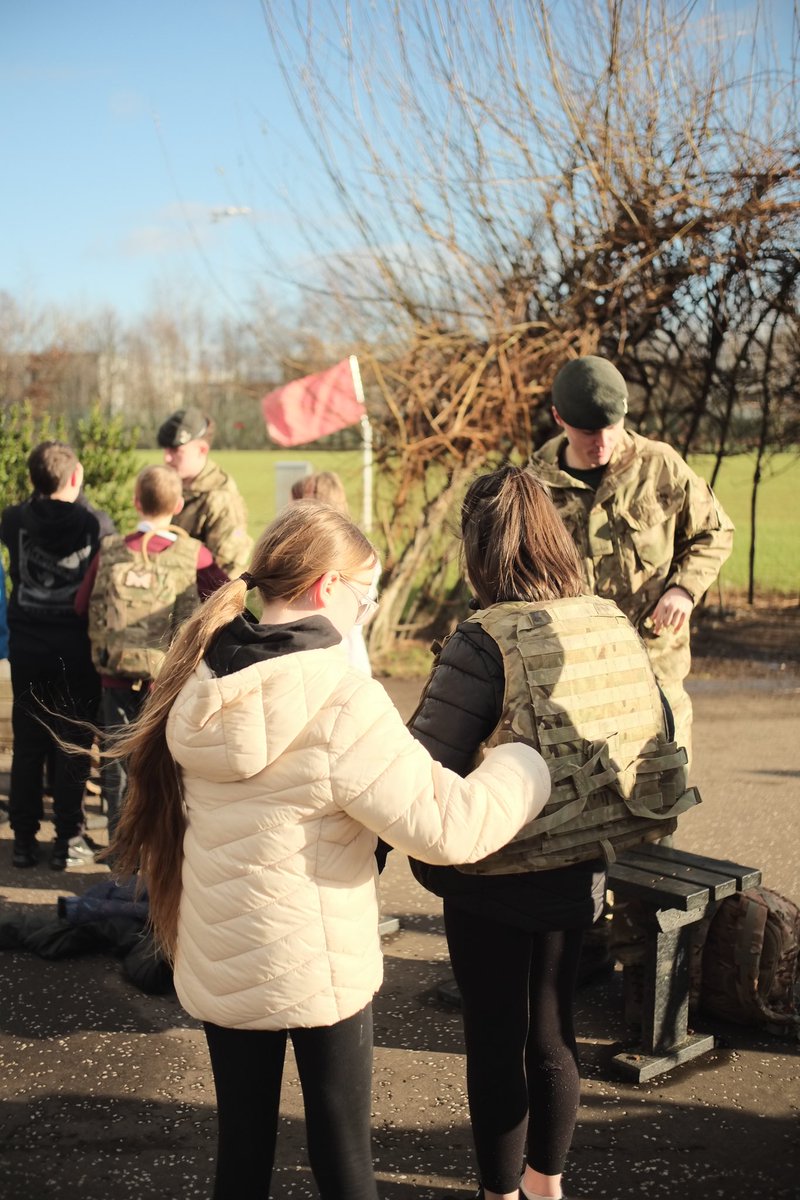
(290,768)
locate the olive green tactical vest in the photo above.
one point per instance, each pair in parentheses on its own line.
(579,688)
(139,601)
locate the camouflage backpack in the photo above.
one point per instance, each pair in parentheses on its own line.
(749,971)
(139,601)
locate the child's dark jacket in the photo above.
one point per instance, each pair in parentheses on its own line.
(50,545)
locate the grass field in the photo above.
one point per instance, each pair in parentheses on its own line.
(778,544)
(777,520)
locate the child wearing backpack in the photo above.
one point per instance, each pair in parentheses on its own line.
(138,590)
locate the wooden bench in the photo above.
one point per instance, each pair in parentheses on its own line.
(675,889)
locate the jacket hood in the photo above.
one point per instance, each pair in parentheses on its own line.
(60,524)
(230,726)
(244,642)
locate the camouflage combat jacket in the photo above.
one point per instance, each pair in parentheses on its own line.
(214,513)
(651,525)
(580,690)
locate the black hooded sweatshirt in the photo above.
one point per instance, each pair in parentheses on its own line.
(50,545)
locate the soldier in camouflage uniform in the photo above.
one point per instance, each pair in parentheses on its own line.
(650,532)
(213,509)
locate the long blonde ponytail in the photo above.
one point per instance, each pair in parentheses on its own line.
(149,835)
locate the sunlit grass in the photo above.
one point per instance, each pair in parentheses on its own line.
(777,565)
(778,544)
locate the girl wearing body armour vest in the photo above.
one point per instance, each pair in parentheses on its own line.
(260,774)
(566,673)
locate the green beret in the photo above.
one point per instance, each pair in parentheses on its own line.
(183,426)
(590,393)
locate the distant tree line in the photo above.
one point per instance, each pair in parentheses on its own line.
(63,368)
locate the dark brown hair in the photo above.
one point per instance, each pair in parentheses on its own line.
(515,545)
(50,465)
(303,542)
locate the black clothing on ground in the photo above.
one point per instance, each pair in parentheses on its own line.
(458,710)
(109,917)
(334,1064)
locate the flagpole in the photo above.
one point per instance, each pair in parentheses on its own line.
(366,440)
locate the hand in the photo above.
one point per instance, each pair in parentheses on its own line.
(672,610)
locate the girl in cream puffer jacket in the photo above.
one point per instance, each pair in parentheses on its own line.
(262,771)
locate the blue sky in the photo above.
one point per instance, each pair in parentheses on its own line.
(124,127)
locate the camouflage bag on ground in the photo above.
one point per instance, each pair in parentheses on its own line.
(139,601)
(749,971)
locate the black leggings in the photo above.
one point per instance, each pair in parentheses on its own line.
(517,992)
(335,1067)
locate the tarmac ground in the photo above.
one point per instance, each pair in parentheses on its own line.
(107,1091)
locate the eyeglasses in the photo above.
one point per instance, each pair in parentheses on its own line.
(367,604)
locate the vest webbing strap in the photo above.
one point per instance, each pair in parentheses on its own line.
(594,697)
(587,669)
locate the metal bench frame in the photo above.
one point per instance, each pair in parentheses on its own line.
(675,889)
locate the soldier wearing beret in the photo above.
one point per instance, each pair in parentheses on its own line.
(213,509)
(651,534)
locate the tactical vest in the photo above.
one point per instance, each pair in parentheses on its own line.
(579,688)
(139,601)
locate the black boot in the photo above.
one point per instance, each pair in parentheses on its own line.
(25,852)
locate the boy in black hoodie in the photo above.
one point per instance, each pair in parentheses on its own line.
(51,539)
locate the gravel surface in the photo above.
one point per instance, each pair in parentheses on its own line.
(107,1092)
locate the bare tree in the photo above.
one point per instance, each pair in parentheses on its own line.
(524,182)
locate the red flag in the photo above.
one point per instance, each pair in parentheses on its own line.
(310,408)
